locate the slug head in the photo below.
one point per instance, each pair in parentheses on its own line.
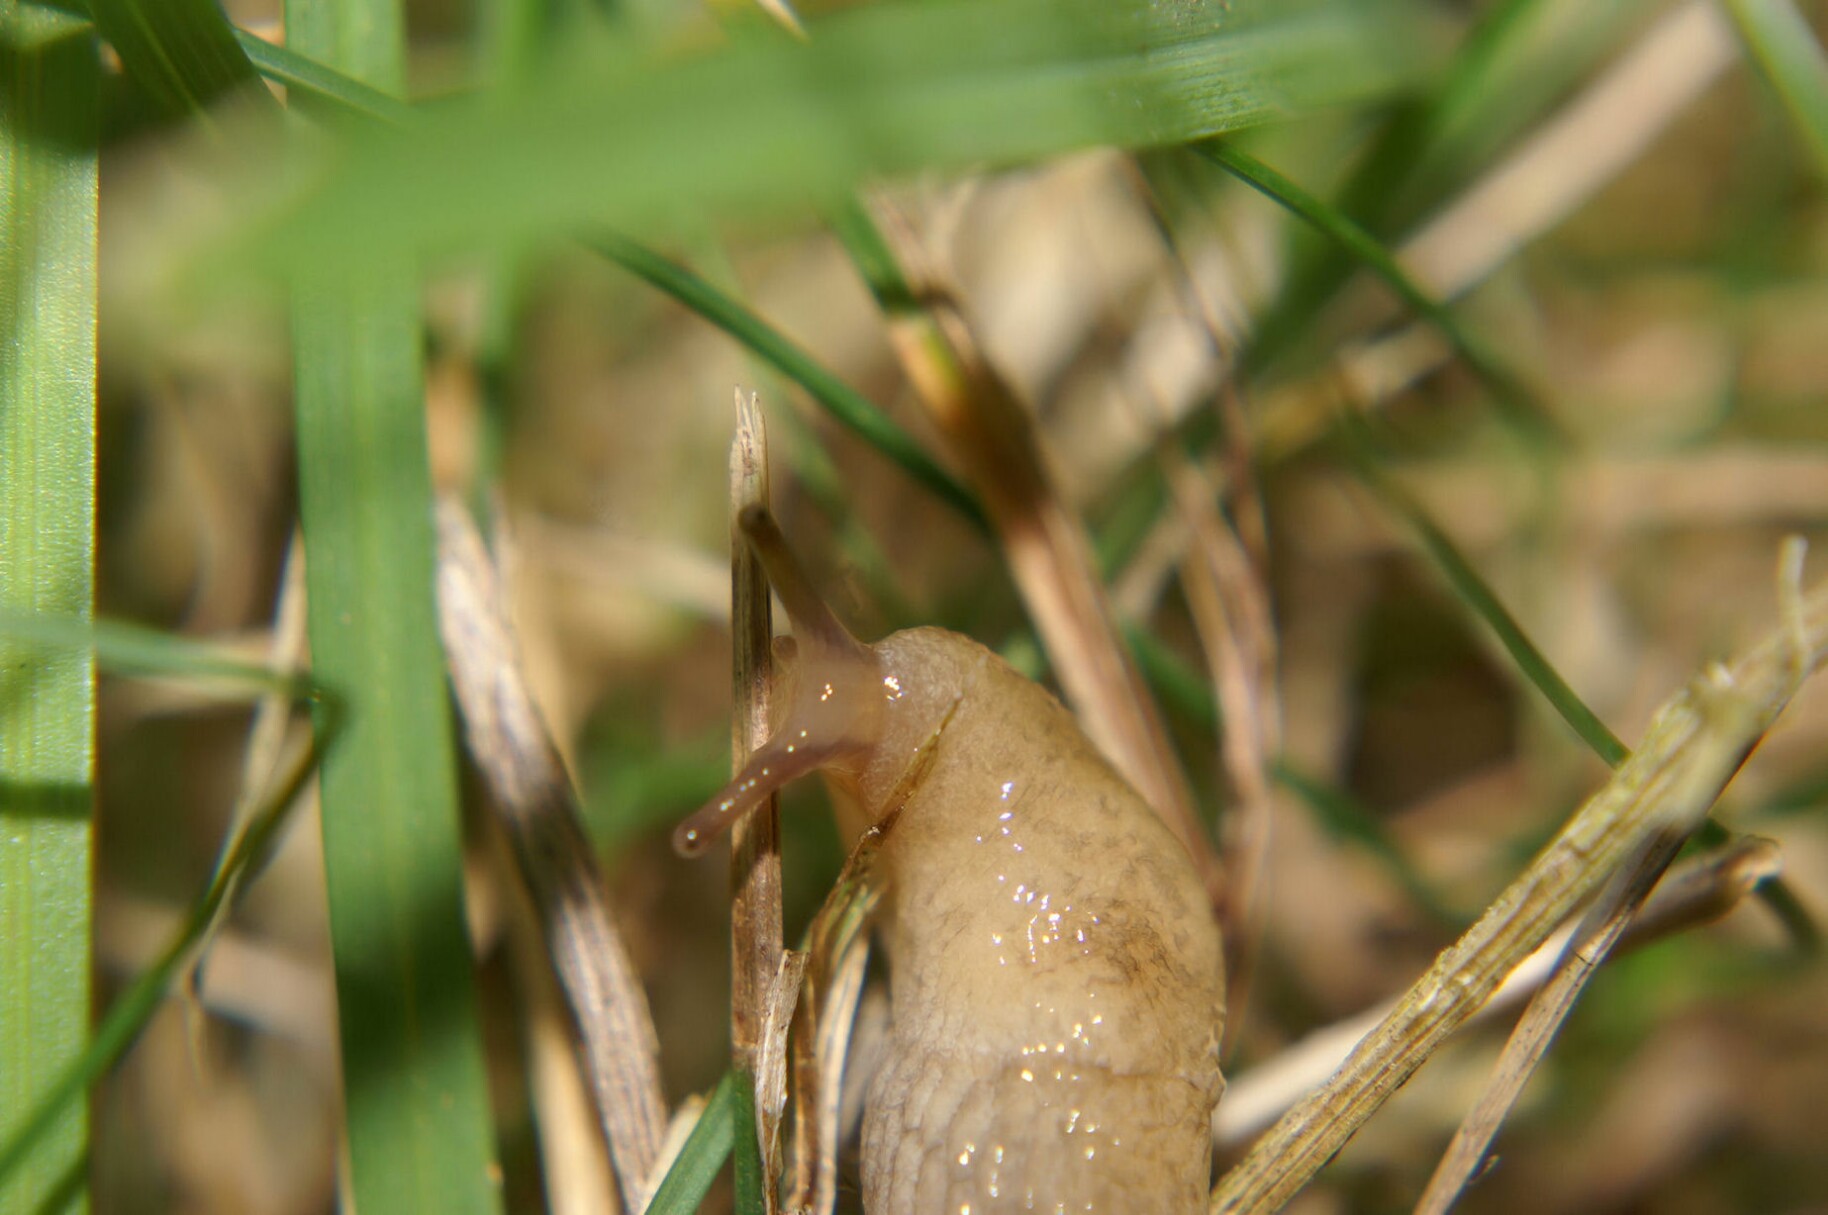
(833,697)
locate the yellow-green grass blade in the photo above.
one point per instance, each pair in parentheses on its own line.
(416,1098)
(1787,54)
(764,124)
(49,107)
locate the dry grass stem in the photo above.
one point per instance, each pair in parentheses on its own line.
(537,810)
(1693,893)
(994,440)
(1231,611)
(1594,938)
(755,851)
(1570,157)
(771,1067)
(1693,747)
(755,862)
(837,955)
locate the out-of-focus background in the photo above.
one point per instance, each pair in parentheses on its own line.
(1626,211)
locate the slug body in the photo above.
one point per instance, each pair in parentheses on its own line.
(1055,978)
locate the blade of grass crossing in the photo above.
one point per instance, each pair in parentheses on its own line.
(416,1097)
(1521,406)
(762,124)
(49,106)
(182,53)
(767,343)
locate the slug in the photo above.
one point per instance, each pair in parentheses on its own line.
(1056,989)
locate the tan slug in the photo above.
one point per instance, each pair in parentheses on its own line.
(1055,978)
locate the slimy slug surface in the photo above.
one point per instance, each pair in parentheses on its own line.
(1055,978)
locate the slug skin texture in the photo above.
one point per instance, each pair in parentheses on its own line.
(1055,977)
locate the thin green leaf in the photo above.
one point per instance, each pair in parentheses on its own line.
(182,53)
(1346,819)
(325,87)
(844,403)
(1787,54)
(608,135)
(751,1183)
(131,649)
(704,1153)
(49,111)
(1520,403)
(1483,602)
(136,1005)
(1185,692)
(1372,194)
(416,1096)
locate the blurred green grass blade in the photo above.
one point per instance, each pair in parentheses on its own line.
(136,1005)
(1484,603)
(49,113)
(417,1102)
(767,343)
(1345,818)
(704,1153)
(764,123)
(1520,405)
(131,649)
(333,89)
(415,1091)
(182,53)
(1787,54)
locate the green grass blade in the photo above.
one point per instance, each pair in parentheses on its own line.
(766,123)
(417,1101)
(142,998)
(1484,602)
(1787,54)
(49,111)
(416,1096)
(769,344)
(704,1153)
(1520,404)
(1372,193)
(1191,696)
(131,649)
(181,53)
(751,1184)
(326,87)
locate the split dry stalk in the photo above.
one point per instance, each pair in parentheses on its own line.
(538,812)
(755,856)
(1593,940)
(1692,749)
(1230,606)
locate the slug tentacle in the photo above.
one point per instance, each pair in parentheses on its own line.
(833,703)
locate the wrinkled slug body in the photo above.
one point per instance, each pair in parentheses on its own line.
(1055,978)
(1054,968)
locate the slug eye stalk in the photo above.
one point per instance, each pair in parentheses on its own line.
(834,700)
